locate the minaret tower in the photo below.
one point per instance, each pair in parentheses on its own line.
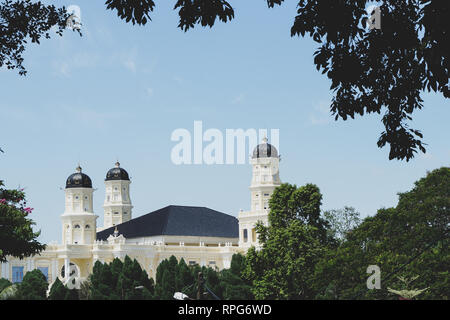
(78,219)
(265,178)
(117,206)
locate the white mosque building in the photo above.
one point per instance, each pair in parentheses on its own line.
(199,235)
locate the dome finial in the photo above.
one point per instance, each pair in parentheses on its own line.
(264,140)
(117,164)
(78,168)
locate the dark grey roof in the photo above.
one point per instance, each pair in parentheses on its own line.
(265,150)
(78,180)
(117,173)
(178,221)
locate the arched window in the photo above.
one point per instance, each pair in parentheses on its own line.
(77,226)
(87,227)
(245,235)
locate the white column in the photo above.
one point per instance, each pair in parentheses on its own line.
(7,271)
(54,270)
(83,224)
(2,273)
(66,268)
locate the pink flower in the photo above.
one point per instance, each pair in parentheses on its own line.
(2,200)
(28,210)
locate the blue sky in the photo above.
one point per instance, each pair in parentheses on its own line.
(119,92)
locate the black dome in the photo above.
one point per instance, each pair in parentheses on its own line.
(265,150)
(78,180)
(117,173)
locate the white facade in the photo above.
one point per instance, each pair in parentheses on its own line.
(117,206)
(79,249)
(265,178)
(78,219)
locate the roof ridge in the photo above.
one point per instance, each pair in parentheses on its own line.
(178,205)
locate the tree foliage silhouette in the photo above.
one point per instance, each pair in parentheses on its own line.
(408,240)
(371,71)
(33,287)
(120,281)
(17,237)
(176,276)
(21,21)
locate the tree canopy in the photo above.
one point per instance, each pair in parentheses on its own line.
(17,237)
(292,244)
(33,286)
(120,281)
(4,283)
(407,241)
(176,276)
(304,254)
(371,71)
(58,291)
(341,222)
(22,21)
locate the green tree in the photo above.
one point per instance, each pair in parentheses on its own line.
(133,282)
(289,203)
(407,241)
(359,62)
(370,70)
(4,283)
(166,275)
(17,237)
(103,283)
(292,244)
(183,277)
(233,286)
(84,292)
(22,21)
(72,294)
(9,293)
(341,222)
(119,281)
(33,286)
(57,291)
(227,284)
